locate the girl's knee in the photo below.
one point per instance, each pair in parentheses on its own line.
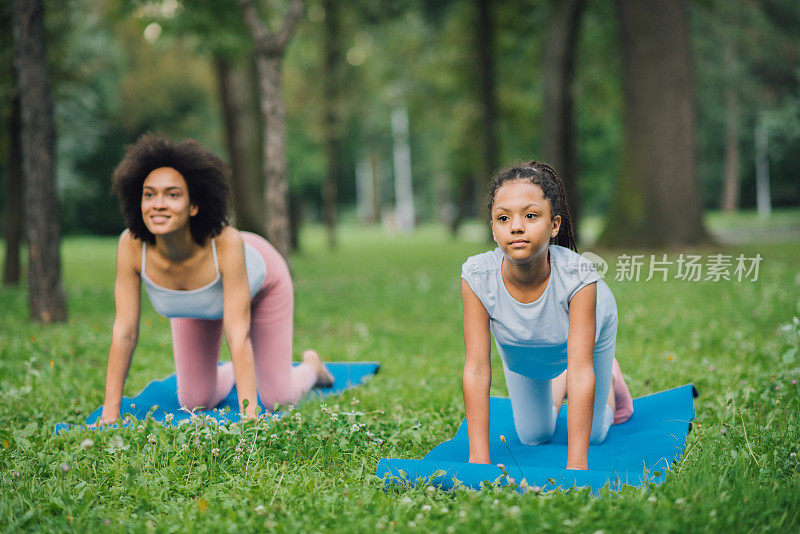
(530,434)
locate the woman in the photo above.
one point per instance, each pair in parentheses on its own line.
(206,277)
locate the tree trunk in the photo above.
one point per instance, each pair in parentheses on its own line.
(404,217)
(14,200)
(558,128)
(485,33)
(244,138)
(331,119)
(270,49)
(730,193)
(276,188)
(763,195)
(657,200)
(46,295)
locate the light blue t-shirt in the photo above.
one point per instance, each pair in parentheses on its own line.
(205,302)
(532,337)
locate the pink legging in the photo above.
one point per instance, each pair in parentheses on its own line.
(196,342)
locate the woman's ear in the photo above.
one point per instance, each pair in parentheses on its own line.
(193,209)
(556,226)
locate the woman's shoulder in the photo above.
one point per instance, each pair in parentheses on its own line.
(482,263)
(129,250)
(227,238)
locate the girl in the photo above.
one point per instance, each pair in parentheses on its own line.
(553,319)
(206,277)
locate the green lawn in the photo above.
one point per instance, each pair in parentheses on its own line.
(396,299)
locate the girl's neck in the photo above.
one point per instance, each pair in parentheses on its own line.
(531,274)
(176,247)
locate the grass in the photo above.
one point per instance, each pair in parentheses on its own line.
(396,299)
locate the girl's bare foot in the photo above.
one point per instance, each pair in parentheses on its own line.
(324,377)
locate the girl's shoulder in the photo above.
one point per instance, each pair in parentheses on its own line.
(483,263)
(570,270)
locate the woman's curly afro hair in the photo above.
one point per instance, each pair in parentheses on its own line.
(206,177)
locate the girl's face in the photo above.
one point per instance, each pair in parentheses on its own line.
(165,202)
(522,221)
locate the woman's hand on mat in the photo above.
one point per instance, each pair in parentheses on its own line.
(106,418)
(479,459)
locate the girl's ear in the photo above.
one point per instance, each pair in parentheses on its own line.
(193,209)
(556,226)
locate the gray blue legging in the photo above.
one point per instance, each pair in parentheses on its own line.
(532,399)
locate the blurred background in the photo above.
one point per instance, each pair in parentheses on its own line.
(397,112)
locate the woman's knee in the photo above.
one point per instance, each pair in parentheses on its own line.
(195,400)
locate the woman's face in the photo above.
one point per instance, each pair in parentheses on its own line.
(522,221)
(166,207)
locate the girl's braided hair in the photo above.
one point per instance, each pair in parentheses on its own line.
(552,187)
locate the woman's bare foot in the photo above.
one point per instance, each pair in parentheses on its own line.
(324,377)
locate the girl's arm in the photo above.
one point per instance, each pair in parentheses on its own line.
(127,299)
(477,375)
(580,375)
(236,316)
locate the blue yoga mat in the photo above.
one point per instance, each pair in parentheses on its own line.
(641,449)
(162,394)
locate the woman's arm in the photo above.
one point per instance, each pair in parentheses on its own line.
(580,375)
(127,299)
(477,375)
(236,316)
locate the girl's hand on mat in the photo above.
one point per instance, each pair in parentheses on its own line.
(479,460)
(578,467)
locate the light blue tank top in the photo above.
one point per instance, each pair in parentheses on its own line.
(205,302)
(531,338)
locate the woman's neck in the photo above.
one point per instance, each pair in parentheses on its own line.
(176,247)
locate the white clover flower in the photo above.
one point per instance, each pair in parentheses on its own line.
(215,452)
(260,509)
(87,443)
(426,507)
(151,438)
(354,428)
(168,418)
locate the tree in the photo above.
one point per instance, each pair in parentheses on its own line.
(558,135)
(46,295)
(332,121)
(237,86)
(14,227)
(657,200)
(485,45)
(270,49)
